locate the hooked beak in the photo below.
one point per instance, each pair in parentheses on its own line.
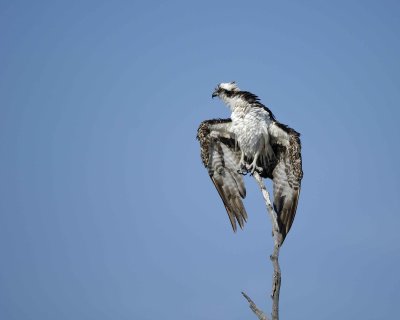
(215,94)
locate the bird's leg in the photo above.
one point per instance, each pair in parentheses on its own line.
(253,166)
(242,165)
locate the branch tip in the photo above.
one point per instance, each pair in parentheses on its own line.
(258,312)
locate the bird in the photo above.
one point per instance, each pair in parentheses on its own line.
(250,141)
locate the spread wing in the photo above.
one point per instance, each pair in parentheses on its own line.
(221,155)
(286,174)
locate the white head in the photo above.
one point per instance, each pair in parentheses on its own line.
(235,98)
(225,89)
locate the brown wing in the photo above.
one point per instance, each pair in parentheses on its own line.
(286,175)
(221,155)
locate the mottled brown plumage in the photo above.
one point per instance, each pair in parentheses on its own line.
(272,148)
(220,155)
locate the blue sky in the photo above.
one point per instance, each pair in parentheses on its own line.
(105,209)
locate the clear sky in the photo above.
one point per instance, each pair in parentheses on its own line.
(105,209)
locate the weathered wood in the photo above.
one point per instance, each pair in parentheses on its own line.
(276,278)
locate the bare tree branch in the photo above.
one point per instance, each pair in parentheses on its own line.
(259,313)
(272,214)
(276,279)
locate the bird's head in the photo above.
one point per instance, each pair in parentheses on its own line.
(226,89)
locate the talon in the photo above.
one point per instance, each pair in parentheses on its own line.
(253,167)
(243,168)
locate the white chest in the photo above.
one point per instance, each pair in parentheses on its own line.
(249,126)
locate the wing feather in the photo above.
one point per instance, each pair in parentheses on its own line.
(286,175)
(221,156)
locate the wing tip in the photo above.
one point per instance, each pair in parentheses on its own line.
(237,217)
(286,218)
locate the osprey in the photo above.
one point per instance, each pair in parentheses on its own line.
(252,140)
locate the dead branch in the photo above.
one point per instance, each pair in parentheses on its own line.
(259,313)
(276,279)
